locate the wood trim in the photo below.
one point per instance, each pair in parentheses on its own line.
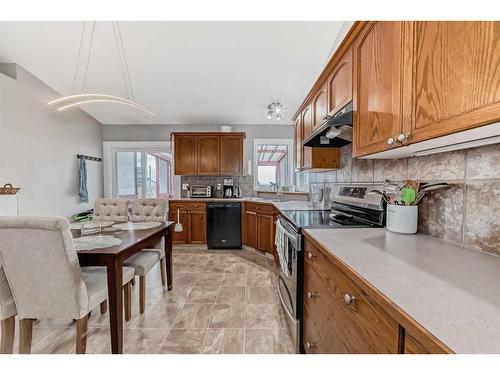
(334,60)
(8,328)
(410,324)
(221,134)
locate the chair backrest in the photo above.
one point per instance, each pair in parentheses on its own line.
(42,269)
(113,209)
(149,210)
(7,304)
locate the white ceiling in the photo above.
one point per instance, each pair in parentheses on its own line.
(186,72)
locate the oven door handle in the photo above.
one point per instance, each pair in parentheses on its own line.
(283,301)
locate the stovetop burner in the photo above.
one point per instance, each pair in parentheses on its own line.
(320,219)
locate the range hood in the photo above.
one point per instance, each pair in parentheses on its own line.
(336,131)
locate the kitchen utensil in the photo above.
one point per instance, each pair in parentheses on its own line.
(178,226)
(408,196)
(419,198)
(402,219)
(435,186)
(378,192)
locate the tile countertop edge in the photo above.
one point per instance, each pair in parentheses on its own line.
(450,290)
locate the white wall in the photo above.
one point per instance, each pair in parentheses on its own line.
(161,133)
(38,148)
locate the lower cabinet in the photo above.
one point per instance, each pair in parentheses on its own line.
(192,216)
(343,314)
(259,222)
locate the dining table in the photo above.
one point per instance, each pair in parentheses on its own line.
(132,241)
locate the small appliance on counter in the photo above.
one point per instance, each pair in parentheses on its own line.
(219,191)
(228,188)
(201,191)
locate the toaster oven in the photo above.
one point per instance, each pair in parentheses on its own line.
(201,191)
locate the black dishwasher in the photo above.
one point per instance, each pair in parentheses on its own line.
(224,225)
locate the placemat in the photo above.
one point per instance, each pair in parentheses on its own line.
(91,224)
(137,225)
(95,242)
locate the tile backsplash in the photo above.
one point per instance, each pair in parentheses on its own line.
(466,214)
(244,182)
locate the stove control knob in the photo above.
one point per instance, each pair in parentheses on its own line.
(348,299)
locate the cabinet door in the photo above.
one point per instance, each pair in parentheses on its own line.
(185,155)
(180,237)
(423,345)
(457,77)
(320,106)
(306,131)
(208,155)
(231,155)
(298,143)
(340,84)
(197,227)
(265,223)
(251,228)
(377,87)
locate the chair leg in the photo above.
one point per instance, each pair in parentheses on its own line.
(25,335)
(81,334)
(163,270)
(142,294)
(104,307)
(8,329)
(127,300)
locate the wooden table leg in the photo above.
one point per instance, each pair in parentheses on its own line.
(115,301)
(168,256)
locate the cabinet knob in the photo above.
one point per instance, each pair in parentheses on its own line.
(402,137)
(391,141)
(310,255)
(311,295)
(348,299)
(309,346)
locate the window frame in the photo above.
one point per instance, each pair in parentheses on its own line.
(272,141)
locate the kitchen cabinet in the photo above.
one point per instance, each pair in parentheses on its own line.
(298,143)
(339,84)
(377,85)
(320,106)
(307,120)
(231,155)
(260,226)
(344,314)
(456,77)
(208,154)
(193,220)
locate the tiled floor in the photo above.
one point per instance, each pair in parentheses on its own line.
(222,302)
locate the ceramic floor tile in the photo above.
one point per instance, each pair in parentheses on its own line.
(234,279)
(260,295)
(287,339)
(262,280)
(224,341)
(262,316)
(228,316)
(177,295)
(185,278)
(183,341)
(60,341)
(237,267)
(188,267)
(209,279)
(194,315)
(203,294)
(264,341)
(143,341)
(159,316)
(232,295)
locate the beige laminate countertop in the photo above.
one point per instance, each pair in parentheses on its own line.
(282,206)
(452,291)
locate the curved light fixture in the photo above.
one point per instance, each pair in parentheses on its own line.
(89,98)
(121,101)
(275,110)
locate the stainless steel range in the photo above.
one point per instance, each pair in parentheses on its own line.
(353,207)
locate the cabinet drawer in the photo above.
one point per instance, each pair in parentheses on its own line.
(265,208)
(187,206)
(377,325)
(313,343)
(339,332)
(422,345)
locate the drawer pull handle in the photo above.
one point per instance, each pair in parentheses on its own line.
(310,255)
(309,346)
(348,299)
(311,295)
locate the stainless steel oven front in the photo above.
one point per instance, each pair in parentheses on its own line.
(290,284)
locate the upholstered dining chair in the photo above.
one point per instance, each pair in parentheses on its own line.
(7,316)
(111,209)
(42,270)
(143,261)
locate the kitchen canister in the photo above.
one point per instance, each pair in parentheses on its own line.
(402,219)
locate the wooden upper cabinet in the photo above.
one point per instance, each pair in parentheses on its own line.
(208,154)
(208,151)
(456,82)
(378,71)
(298,143)
(339,84)
(307,119)
(320,107)
(231,155)
(185,155)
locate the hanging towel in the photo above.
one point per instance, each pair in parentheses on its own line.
(282,248)
(82,181)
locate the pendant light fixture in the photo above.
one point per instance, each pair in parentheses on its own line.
(275,111)
(74,100)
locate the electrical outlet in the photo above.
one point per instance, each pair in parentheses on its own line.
(185,186)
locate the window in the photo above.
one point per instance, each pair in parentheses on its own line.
(138,172)
(273,163)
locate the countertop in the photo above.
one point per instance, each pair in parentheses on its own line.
(452,291)
(282,205)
